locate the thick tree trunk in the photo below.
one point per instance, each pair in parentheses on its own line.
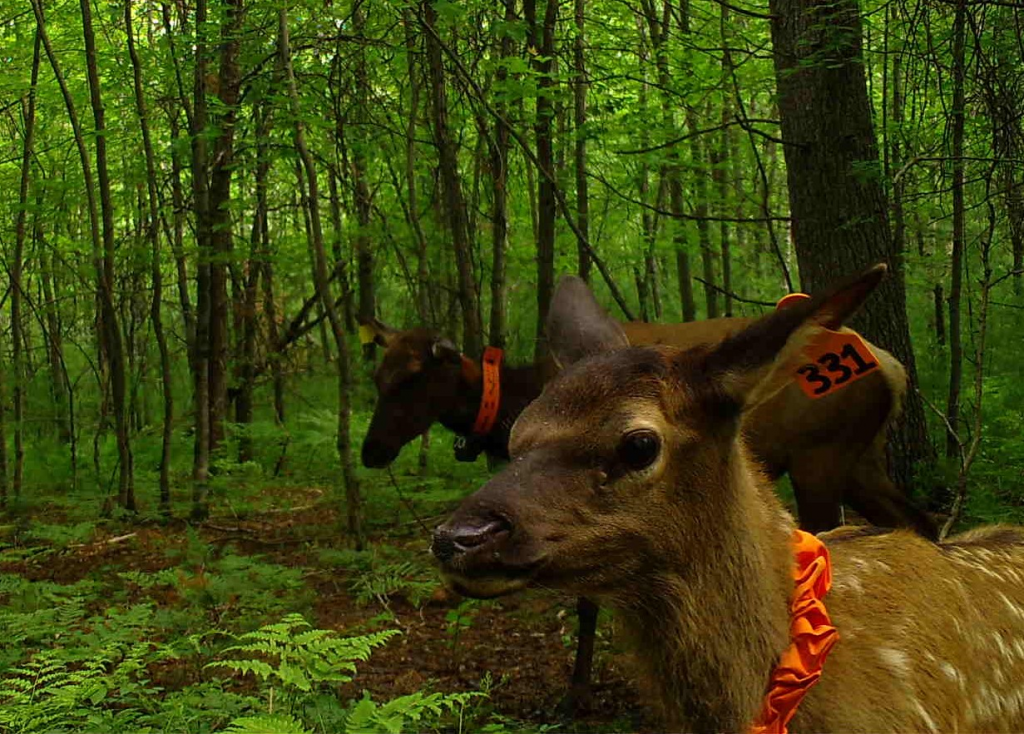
(321,277)
(153,233)
(455,205)
(840,213)
(221,237)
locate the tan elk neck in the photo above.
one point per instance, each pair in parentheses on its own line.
(711,628)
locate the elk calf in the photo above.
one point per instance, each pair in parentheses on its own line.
(630,484)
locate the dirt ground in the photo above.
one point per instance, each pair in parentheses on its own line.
(524,643)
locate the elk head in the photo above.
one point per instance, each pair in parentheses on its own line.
(418,380)
(629,469)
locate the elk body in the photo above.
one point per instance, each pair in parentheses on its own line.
(630,482)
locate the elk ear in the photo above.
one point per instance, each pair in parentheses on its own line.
(444,350)
(577,326)
(380,333)
(737,362)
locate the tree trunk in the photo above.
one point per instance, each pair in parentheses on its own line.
(542,38)
(648,221)
(258,250)
(580,124)
(4,489)
(895,158)
(455,205)
(320,276)
(422,292)
(110,329)
(221,239)
(153,233)
(201,205)
(364,254)
(340,259)
(499,178)
(90,201)
(29,111)
(721,165)
(274,355)
(839,212)
(55,351)
(956,266)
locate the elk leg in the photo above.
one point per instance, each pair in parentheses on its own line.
(873,495)
(818,496)
(578,697)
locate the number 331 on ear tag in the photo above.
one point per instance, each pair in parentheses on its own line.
(836,359)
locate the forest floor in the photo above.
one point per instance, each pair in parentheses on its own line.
(517,650)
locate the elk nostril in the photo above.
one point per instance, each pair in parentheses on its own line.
(468,537)
(449,542)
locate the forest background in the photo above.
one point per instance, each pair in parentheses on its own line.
(199,202)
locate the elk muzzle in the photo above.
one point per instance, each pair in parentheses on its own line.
(377,454)
(497,541)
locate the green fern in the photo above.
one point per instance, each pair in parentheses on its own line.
(416,712)
(385,580)
(267,724)
(305,657)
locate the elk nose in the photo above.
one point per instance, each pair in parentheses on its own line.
(449,542)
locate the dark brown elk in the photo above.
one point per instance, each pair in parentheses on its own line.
(630,482)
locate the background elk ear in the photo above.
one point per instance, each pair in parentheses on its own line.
(445,350)
(577,326)
(381,332)
(739,359)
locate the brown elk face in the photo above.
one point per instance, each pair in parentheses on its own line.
(417,381)
(628,461)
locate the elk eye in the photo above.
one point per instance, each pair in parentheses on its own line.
(639,449)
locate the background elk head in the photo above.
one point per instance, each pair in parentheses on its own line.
(418,380)
(629,466)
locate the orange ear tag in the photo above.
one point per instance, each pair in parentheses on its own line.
(836,358)
(366,334)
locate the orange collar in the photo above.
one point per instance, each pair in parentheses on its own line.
(491,398)
(811,636)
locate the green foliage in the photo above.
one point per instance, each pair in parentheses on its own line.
(459,619)
(267,724)
(386,579)
(306,657)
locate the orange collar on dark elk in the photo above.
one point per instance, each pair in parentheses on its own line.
(811,637)
(467,448)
